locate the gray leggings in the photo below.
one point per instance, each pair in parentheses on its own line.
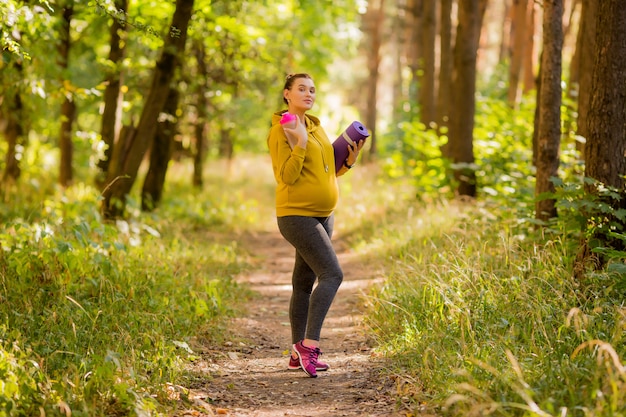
(315,259)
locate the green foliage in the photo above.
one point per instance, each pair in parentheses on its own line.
(417,154)
(107,7)
(594,211)
(251,46)
(502,148)
(481,315)
(14,16)
(22,383)
(100,318)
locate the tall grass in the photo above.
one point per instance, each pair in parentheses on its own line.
(481,317)
(102,318)
(478,313)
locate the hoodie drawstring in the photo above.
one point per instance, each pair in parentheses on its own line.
(322,150)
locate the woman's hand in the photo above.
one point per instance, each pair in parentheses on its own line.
(297,135)
(353,152)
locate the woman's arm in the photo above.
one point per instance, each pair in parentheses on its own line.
(286,162)
(353,154)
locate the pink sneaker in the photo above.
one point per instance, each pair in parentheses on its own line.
(295,364)
(307,358)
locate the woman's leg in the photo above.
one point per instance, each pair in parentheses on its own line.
(315,258)
(302,281)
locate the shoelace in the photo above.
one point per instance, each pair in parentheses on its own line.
(315,353)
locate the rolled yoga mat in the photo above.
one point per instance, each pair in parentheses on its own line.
(356,132)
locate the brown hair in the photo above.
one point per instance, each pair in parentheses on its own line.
(289,80)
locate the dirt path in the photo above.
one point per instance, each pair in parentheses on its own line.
(250,378)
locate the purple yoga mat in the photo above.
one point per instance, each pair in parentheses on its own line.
(356,132)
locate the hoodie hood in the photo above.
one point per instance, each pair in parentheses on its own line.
(312,122)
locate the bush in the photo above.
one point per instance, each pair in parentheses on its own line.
(483,317)
(100,318)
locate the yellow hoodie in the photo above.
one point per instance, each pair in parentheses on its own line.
(306,184)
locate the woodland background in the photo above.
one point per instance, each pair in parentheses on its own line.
(113,113)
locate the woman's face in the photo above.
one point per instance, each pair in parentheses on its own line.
(301,96)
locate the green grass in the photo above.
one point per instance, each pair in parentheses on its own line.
(480,315)
(100,318)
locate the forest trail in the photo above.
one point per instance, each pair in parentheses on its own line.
(250,378)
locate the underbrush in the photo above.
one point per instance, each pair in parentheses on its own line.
(101,318)
(480,315)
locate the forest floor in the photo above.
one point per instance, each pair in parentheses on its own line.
(249,377)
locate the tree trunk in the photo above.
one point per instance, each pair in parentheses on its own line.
(606,141)
(198,157)
(587,51)
(518,50)
(14,133)
(227,138)
(111,115)
(160,153)
(13,109)
(606,144)
(574,65)
(568,22)
(549,135)
(445,69)
(504,52)
(226,143)
(374,22)
(174,44)
(537,112)
(427,78)
(413,54)
(399,41)
(201,120)
(530,58)
(68,108)
(68,114)
(122,147)
(464,89)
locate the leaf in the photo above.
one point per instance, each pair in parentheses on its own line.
(151,231)
(114,358)
(183,345)
(618,268)
(490,191)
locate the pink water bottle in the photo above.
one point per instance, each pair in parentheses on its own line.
(288,120)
